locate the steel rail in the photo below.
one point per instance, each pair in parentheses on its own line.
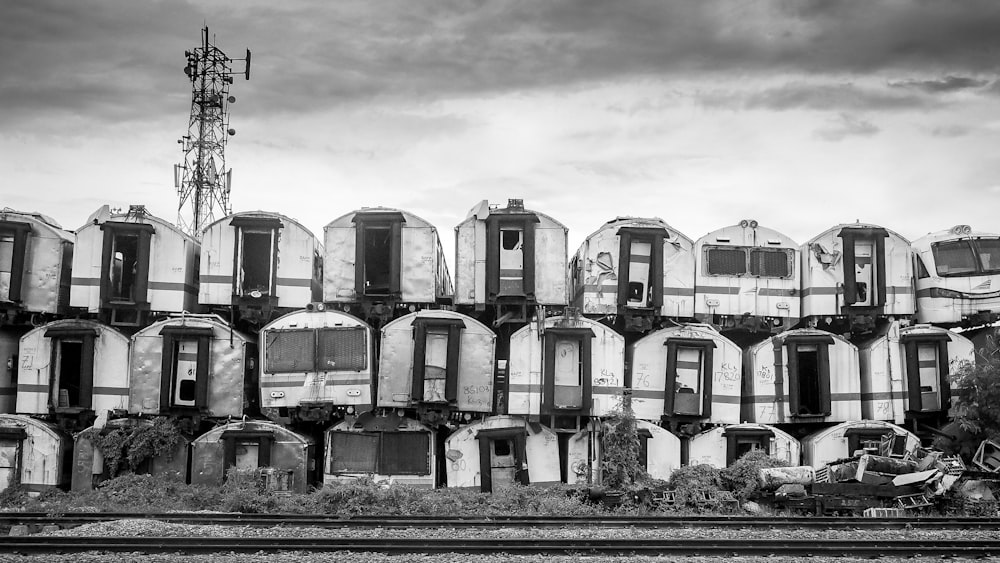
(705,546)
(8,519)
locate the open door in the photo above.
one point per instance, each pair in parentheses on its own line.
(502,458)
(927,370)
(11,440)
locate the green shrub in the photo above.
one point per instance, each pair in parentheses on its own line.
(742,478)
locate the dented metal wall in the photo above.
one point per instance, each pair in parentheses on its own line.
(711,447)
(48,260)
(110,367)
(881,261)
(289,452)
(173,265)
(423,271)
(476,361)
(830,444)
(771,297)
(650,369)
(462,450)
(595,270)
(293,387)
(767,396)
(297,281)
(527,361)
(37,451)
(228,356)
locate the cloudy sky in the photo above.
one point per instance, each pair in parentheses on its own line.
(800,114)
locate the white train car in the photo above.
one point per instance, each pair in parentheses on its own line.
(747,276)
(89,469)
(636,268)
(905,372)
(859,271)
(315,362)
(566,366)
(36,259)
(285,458)
(383,259)
(194,366)
(659,453)
(388,448)
(33,454)
(499,451)
(958,277)
(127,265)
(723,445)
(802,376)
(10,338)
(259,263)
(687,373)
(510,259)
(73,367)
(437,361)
(847,438)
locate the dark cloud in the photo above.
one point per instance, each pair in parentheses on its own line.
(943,85)
(950,131)
(848,126)
(815,95)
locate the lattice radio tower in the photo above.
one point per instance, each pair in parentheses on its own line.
(202,180)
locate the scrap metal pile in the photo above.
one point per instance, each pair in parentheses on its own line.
(885,484)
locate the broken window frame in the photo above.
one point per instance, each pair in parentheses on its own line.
(486,437)
(393,221)
(420,329)
(171,336)
(910,344)
(255,225)
(707,363)
(747,251)
(140,283)
(855,437)
(20,232)
(231,438)
(86,336)
(654,236)
(583,336)
(381,463)
(494,224)
(736,436)
(877,236)
(792,342)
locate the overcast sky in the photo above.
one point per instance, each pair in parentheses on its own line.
(801,115)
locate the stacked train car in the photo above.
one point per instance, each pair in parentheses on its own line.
(316,363)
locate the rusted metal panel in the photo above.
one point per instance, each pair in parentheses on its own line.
(417,276)
(550,262)
(289,451)
(339,263)
(88,463)
(373,424)
(48,254)
(42,454)
(218,253)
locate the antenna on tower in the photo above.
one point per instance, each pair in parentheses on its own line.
(203,182)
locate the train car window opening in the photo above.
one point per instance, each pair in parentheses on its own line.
(405,453)
(435,364)
(927,371)
(568,374)
(341,349)
(290,351)
(184,372)
(6,265)
(502,447)
(955,258)
(639,272)
(809,380)
(741,441)
(353,452)
(687,383)
(989,255)
(69,372)
(511,261)
(256,261)
(124,265)
(726,261)
(378,261)
(920,267)
(770,262)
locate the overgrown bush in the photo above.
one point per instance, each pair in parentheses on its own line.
(976,393)
(620,467)
(742,478)
(132,444)
(694,484)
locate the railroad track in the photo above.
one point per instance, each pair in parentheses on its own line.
(70,519)
(25,545)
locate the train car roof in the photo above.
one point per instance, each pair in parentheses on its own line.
(197,319)
(284,319)
(263,215)
(652,222)
(857,225)
(768,233)
(43,221)
(483,210)
(136,214)
(409,218)
(955,233)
